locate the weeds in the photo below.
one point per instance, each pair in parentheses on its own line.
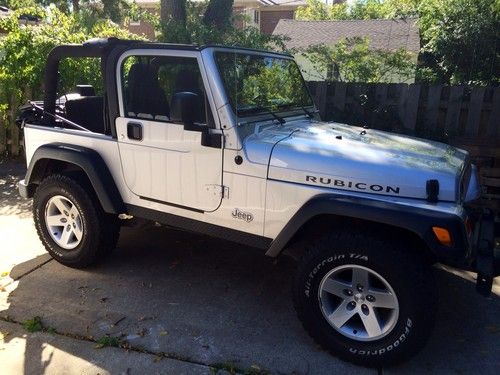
(106,341)
(36,325)
(33,325)
(233,369)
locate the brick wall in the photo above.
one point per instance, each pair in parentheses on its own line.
(143,27)
(269,19)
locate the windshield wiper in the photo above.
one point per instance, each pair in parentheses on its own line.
(280,119)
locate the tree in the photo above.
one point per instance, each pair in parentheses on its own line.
(173,10)
(210,22)
(461,40)
(218,14)
(25,49)
(359,9)
(352,60)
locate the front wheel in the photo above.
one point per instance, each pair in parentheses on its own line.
(367,300)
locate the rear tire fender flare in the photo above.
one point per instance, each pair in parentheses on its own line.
(87,160)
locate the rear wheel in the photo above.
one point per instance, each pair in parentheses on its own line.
(368,300)
(70,222)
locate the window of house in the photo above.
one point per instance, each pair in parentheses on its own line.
(150,82)
(256,15)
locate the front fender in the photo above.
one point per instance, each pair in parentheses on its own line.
(414,219)
(87,159)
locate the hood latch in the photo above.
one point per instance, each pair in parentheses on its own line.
(432,188)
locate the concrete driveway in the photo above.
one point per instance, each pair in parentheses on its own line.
(183,303)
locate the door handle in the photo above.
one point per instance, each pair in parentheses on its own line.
(134,131)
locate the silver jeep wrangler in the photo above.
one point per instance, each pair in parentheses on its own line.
(227,142)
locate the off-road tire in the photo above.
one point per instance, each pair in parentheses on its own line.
(100,230)
(409,275)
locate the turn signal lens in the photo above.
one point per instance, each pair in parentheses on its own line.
(442,235)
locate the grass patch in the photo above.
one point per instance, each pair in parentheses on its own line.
(33,325)
(109,341)
(234,369)
(36,325)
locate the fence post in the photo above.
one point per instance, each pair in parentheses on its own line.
(339,96)
(494,120)
(474,112)
(3,138)
(432,107)
(320,98)
(13,129)
(411,106)
(453,109)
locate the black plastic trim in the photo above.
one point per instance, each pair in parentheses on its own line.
(88,160)
(171,204)
(417,220)
(198,226)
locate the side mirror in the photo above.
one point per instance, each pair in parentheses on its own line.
(185,108)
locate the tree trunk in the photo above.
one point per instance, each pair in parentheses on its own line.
(173,10)
(218,13)
(76,5)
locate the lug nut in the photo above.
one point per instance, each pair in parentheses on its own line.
(370,298)
(359,287)
(351,305)
(365,309)
(66,213)
(348,292)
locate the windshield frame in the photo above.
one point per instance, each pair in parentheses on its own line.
(266,112)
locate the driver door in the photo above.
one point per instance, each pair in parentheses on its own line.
(164,161)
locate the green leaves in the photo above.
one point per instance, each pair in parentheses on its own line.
(460,38)
(352,60)
(24,50)
(358,10)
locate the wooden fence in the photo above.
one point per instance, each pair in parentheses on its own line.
(448,112)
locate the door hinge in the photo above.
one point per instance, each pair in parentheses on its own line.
(218,190)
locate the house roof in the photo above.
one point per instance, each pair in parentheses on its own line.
(241,2)
(385,34)
(280,2)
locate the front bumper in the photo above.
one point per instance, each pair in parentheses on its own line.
(484,246)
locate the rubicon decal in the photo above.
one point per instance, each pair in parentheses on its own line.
(237,214)
(345,184)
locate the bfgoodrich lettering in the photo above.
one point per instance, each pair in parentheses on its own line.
(353,185)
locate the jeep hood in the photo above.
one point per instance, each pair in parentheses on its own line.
(351,158)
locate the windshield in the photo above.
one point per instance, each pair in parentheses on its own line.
(259,84)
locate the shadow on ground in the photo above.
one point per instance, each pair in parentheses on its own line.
(208,301)
(11,202)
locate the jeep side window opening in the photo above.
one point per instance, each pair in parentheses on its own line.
(150,84)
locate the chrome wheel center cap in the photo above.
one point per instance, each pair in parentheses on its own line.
(358,297)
